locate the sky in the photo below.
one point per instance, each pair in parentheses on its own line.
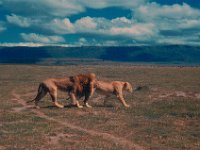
(99,22)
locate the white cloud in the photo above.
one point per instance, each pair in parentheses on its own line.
(136,31)
(44,7)
(152,11)
(101,26)
(172,22)
(182,40)
(116,27)
(121,21)
(21,44)
(111,3)
(189,23)
(19,20)
(85,24)
(37,38)
(82,40)
(60,26)
(151,22)
(168,17)
(64,8)
(30,44)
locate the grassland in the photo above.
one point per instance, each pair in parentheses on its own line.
(164,113)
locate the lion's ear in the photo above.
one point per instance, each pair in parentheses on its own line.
(127,84)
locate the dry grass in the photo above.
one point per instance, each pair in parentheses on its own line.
(165,112)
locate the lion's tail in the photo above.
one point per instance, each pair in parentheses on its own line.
(40,88)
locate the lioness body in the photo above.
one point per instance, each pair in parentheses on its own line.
(114,88)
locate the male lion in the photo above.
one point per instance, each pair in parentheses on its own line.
(114,87)
(84,85)
(80,85)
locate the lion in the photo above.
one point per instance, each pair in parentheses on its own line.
(76,86)
(114,88)
(84,85)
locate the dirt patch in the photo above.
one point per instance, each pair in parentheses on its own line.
(197,95)
(18,109)
(162,94)
(99,99)
(179,123)
(54,140)
(180,94)
(2,147)
(105,136)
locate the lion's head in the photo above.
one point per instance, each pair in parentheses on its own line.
(128,87)
(84,84)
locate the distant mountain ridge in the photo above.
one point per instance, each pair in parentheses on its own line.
(171,54)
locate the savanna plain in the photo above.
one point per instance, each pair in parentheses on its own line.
(164,112)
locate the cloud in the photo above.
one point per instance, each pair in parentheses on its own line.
(182,40)
(118,27)
(189,23)
(30,44)
(168,17)
(158,11)
(44,7)
(37,38)
(172,22)
(85,24)
(98,4)
(21,44)
(18,20)
(82,41)
(63,8)
(150,23)
(136,31)
(121,21)
(60,26)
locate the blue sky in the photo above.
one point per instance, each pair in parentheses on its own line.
(99,22)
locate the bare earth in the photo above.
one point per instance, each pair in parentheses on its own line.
(164,113)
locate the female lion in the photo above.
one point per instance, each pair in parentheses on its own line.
(114,87)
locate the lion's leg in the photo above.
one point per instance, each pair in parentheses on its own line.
(53,95)
(89,94)
(121,98)
(74,100)
(87,105)
(39,96)
(86,102)
(78,105)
